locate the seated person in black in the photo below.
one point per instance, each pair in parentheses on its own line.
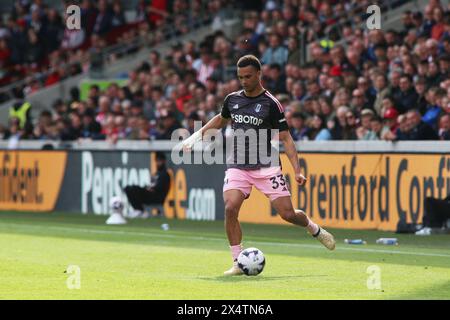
(153,194)
(437,212)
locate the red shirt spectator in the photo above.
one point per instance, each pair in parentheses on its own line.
(439,27)
(183,96)
(52,79)
(5,53)
(158,10)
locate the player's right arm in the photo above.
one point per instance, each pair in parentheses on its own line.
(218,122)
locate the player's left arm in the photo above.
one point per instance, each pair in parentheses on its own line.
(279,122)
(291,152)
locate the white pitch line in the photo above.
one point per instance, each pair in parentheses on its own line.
(158,235)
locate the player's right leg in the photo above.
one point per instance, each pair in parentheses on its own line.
(236,189)
(233,200)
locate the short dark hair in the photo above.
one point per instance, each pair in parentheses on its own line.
(298,114)
(376,118)
(406,76)
(275,66)
(249,60)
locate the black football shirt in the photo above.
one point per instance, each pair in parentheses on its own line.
(261,115)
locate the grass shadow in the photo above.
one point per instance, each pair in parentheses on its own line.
(259,278)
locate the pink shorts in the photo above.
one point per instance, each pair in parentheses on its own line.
(269,181)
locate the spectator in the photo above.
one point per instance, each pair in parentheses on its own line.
(337,125)
(433,75)
(168,125)
(204,66)
(364,132)
(118,17)
(369,93)
(294,56)
(349,130)
(22,111)
(90,127)
(3,132)
(104,106)
(53,31)
(444,127)
(438,27)
(394,81)
(417,129)
(434,110)
(421,89)
(317,130)
(359,101)
(297,127)
(15,133)
(191,122)
(103,22)
(276,53)
(378,128)
(406,98)
(43,127)
(382,90)
(275,81)
(407,21)
(402,129)
(390,124)
(35,52)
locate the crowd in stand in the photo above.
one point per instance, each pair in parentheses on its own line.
(358,85)
(36,46)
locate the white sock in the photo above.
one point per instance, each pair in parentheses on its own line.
(313,228)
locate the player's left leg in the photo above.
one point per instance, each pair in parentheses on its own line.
(283,205)
(271,182)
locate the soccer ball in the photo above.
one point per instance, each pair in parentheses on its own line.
(116,204)
(251,261)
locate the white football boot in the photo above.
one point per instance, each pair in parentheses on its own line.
(326,238)
(323,236)
(135,214)
(234,270)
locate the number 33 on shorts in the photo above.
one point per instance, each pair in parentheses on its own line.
(278,181)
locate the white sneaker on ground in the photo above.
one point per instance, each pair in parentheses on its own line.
(144,215)
(234,270)
(424,232)
(135,214)
(326,239)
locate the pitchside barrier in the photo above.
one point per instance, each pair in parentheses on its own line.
(353,185)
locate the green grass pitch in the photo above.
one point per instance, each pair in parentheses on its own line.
(142,261)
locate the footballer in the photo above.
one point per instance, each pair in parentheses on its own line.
(254,108)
